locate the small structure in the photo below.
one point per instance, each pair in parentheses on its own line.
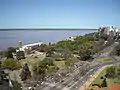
(71,38)
(26,49)
(31,46)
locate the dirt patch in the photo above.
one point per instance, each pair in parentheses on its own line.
(114,87)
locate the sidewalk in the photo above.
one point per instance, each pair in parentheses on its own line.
(91,79)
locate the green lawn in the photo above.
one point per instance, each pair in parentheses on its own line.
(104,60)
(32,61)
(98,80)
(60,63)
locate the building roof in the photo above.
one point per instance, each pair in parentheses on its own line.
(29,45)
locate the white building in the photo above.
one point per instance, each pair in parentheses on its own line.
(71,38)
(109,30)
(29,46)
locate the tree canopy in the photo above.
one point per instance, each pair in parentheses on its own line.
(10,63)
(82,45)
(25,73)
(9,52)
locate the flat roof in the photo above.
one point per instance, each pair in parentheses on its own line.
(32,44)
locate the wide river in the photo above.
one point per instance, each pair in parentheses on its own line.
(11,37)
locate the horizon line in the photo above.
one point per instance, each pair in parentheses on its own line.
(1,29)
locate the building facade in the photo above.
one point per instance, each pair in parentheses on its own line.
(110,31)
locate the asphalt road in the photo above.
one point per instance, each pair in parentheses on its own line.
(78,78)
(91,71)
(70,84)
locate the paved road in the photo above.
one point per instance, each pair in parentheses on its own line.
(81,81)
(77,79)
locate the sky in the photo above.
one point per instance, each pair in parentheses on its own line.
(59,13)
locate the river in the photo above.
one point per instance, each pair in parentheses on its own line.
(10,38)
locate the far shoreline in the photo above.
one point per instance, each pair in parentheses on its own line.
(11,29)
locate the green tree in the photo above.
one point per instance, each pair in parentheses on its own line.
(9,52)
(117,50)
(16,85)
(104,83)
(118,71)
(111,72)
(25,73)
(11,64)
(40,70)
(43,67)
(11,49)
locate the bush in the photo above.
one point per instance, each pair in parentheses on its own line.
(41,69)
(110,72)
(9,52)
(25,73)
(101,78)
(104,83)
(10,64)
(16,85)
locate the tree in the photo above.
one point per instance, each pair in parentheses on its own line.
(116,50)
(25,73)
(43,68)
(10,63)
(110,72)
(40,70)
(104,83)
(118,71)
(9,52)
(11,49)
(16,85)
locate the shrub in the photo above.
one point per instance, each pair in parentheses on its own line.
(10,64)
(25,73)
(104,83)
(101,78)
(110,72)
(9,52)
(16,85)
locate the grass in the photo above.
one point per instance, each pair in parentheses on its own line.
(60,63)
(98,80)
(104,60)
(32,61)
